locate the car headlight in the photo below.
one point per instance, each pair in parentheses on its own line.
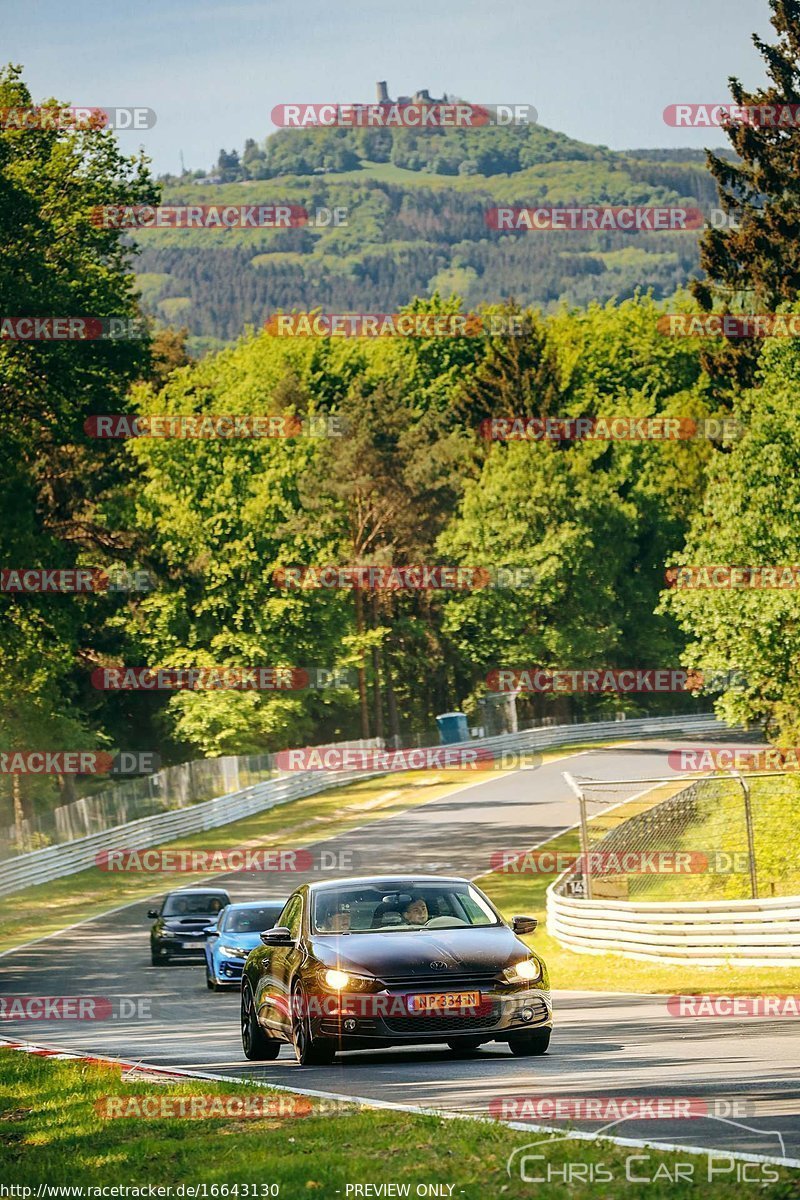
(167,933)
(529,970)
(339,980)
(234,951)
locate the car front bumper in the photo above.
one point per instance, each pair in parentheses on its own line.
(227,970)
(180,947)
(498,1017)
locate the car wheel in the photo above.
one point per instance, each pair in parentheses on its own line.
(255,1043)
(158,958)
(211,984)
(309,1051)
(530,1043)
(465,1045)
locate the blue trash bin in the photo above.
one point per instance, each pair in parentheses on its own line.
(453,727)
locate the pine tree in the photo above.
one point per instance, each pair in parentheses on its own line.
(755,264)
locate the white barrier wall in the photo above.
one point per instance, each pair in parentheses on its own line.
(708,933)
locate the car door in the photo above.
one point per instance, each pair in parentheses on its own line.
(277,969)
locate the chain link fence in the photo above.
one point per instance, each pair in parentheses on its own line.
(172,788)
(723,836)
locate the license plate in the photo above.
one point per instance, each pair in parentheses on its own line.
(191,945)
(443,1001)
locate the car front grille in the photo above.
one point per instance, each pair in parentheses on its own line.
(485,1016)
(444,981)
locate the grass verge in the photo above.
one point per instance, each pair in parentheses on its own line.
(52,1133)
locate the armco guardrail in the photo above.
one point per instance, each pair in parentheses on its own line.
(41,866)
(709,933)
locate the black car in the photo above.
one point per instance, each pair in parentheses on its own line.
(384,961)
(183,921)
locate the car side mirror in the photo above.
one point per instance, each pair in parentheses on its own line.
(278,936)
(152,913)
(524,924)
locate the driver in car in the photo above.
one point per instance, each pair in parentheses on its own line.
(337,922)
(415,912)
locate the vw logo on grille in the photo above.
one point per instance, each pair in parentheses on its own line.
(438,965)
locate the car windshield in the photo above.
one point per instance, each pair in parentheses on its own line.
(400,905)
(252,920)
(187,905)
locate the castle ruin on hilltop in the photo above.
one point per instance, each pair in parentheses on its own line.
(421,97)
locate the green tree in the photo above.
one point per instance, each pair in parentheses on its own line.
(755,264)
(56,483)
(751,518)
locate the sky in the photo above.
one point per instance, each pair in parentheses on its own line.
(601,71)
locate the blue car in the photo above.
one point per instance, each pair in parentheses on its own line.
(236,932)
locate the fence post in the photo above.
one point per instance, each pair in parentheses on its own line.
(584,832)
(748,820)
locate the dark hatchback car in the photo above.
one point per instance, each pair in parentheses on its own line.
(394,960)
(182,923)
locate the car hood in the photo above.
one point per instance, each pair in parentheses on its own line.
(246,941)
(404,955)
(187,924)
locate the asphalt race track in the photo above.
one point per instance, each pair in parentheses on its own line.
(604,1044)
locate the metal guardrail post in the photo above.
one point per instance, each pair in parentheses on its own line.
(748,820)
(584,833)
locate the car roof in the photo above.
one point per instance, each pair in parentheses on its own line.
(258,903)
(200,891)
(389,877)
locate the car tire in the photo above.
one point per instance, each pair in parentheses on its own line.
(211,984)
(309,1051)
(255,1043)
(530,1043)
(465,1045)
(158,958)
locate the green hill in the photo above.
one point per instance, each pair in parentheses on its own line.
(416,205)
